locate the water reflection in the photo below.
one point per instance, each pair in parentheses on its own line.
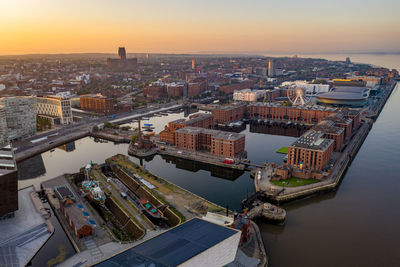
(283,130)
(31,168)
(68,147)
(193,166)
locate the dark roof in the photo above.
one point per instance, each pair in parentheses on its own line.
(173,247)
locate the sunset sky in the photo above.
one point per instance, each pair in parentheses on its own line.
(185,26)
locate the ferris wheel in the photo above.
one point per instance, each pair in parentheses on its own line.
(298,95)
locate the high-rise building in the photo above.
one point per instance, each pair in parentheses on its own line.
(271,68)
(193,63)
(3,125)
(55,106)
(122,53)
(20,114)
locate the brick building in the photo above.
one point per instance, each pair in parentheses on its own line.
(276,111)
(75,218)
(219,143)
(175,89)
(97,103)
(311,151)
(230,88)
(228,113)
(201,120)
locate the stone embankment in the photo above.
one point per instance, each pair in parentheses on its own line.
(284,194)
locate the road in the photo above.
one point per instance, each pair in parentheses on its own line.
(41,142)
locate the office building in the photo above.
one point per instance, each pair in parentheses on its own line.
(230,88)
(248,95)
(193,63)
(55,107)
(20,114)
(271,68)
(8,181)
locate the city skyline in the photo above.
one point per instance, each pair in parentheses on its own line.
(43,26)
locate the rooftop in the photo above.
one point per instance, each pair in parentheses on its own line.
(22,236)
(7,162)
(174,246)
(215,133)
(312,140)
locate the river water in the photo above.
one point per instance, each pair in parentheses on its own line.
(355,226)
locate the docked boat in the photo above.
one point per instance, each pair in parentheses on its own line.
(150,209)
(93,191)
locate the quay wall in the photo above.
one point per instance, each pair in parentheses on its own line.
(204,160)
(138,189)
(337,174)
(340,169)
(125,220)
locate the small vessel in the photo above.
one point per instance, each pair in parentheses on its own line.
(150,209)
(93,191)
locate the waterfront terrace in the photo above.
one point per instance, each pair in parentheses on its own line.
(311,114)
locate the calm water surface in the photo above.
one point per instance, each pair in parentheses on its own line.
(355,226)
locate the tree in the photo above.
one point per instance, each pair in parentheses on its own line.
(95,129)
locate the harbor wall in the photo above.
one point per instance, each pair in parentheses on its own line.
(138,189)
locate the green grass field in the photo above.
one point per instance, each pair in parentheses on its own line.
(294,182)
(282,150)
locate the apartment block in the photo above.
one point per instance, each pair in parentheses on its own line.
(97,103)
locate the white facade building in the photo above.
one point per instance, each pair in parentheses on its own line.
(55,106)
(310,88)
(248,95)
(20,114)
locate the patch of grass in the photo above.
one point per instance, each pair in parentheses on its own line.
(282,150)
(294,182)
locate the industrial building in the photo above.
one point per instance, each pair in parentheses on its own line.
(20,116)
(55,107)
(194,243)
